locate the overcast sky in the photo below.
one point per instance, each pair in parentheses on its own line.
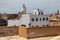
(14,6)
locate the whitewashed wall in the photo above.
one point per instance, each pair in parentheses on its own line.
(27,18)
(39,23)
(13,23)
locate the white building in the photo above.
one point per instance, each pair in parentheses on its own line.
(38,12)
(37,19)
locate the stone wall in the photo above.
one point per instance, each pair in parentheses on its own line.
(39,31)
(8,31)
(23,32)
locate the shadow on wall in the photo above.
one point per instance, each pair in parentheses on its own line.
(3,22)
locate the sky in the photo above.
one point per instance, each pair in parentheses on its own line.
(14,6)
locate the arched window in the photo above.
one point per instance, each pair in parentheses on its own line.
(46,25)
(32,19)
(29,24)
(36,19)
(36,25)
(47,19)
(41,13)
(43,25)
(43,19)
(40,19)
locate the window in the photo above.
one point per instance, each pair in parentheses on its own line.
(36,19)
(47,19)
(43,25)
(29,24)
(35,12)
(32,19)
(36,25)
(43,19)
(41,13)
(46,25)
(40,19)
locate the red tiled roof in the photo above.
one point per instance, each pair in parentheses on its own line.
(10,16)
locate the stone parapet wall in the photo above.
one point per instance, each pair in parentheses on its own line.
(23,32)
(39,31)
(8,31)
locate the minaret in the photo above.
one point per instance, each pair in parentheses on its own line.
(24,9)
(57,11)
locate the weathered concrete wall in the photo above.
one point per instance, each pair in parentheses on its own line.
(8,31)
(39,31)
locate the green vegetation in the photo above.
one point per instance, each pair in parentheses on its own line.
(23,25)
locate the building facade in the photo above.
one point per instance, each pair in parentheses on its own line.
(55,19)
(32,20)
(37,19)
